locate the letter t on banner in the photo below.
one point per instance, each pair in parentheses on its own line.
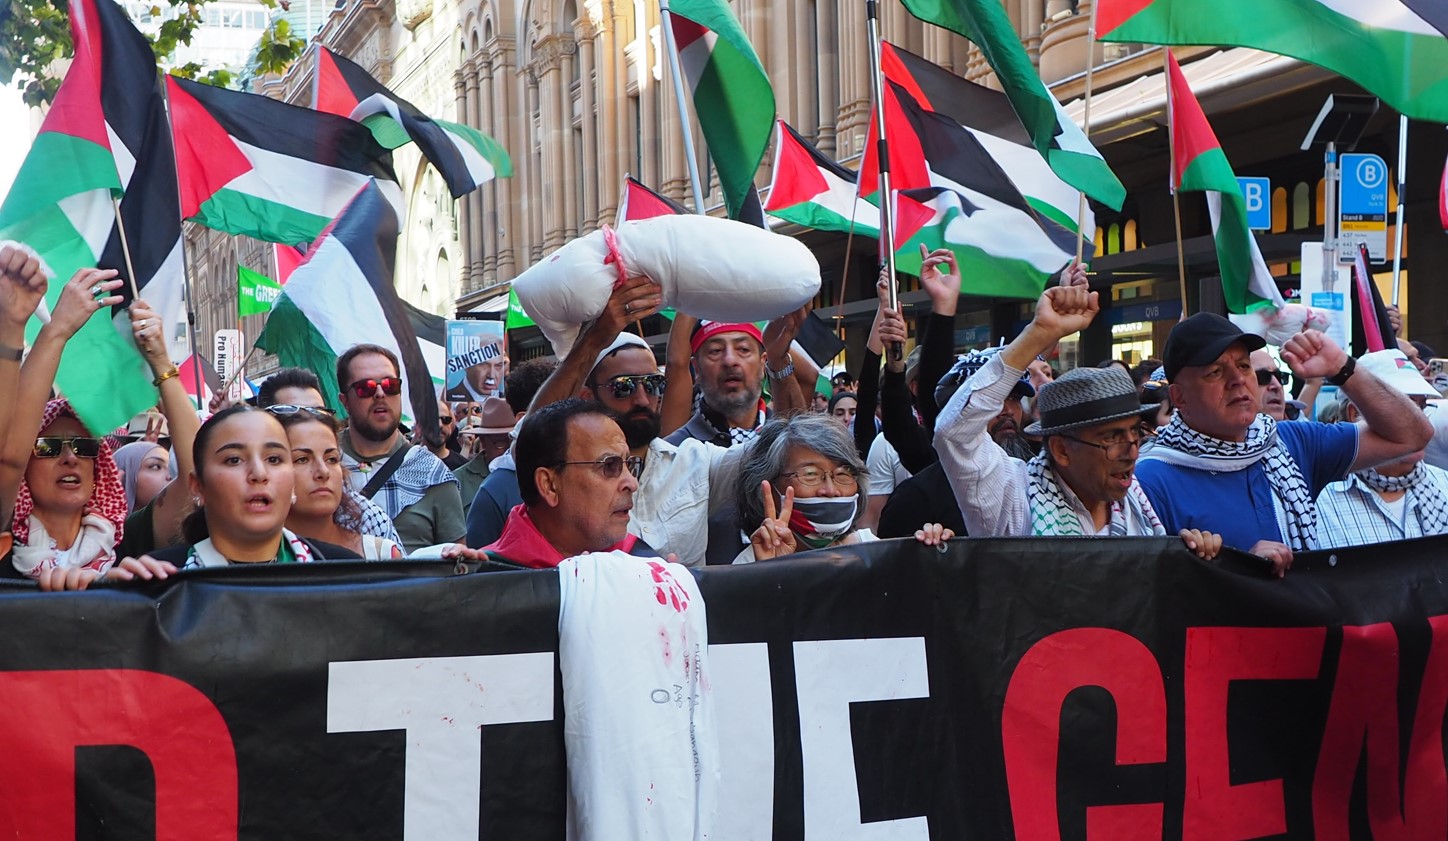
(829,676)
(442,703)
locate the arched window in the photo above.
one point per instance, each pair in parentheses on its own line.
(1128,242)
(1113,238)
(1319,212)
(1279,210)
(1301,207)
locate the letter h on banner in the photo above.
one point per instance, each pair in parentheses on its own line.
(442,703)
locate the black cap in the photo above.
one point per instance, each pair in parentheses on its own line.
(1200,340)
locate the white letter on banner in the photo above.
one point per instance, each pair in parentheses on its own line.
(442,703)
(744,717)
(829,675)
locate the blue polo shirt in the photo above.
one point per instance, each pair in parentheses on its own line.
(1238,504)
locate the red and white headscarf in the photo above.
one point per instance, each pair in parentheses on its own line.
(107,502)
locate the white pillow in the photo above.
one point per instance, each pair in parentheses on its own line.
(713,269)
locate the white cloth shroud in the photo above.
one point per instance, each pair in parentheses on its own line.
(712,269)
(638,724)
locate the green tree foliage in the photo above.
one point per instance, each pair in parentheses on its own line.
(35,34)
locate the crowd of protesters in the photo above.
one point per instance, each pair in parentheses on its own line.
(730,453)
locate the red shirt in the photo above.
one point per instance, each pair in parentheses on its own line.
(522,543)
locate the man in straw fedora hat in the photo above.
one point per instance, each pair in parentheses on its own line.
(1083,481)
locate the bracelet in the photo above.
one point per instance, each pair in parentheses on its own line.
(11,354)
(783,374)
(1341,376)
(164,376)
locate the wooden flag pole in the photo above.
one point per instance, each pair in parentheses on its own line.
(125,248)
(1086,125)
(1176,204)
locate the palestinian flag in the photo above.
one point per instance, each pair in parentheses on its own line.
(255,292)
(1198,163)
(809,189)
(254,166)
(1382,45)
(288,258)
(1443,197)
(639,202)
(732,95)
(104,137)
(342,296)
(988,115)
(1371,330)
(952,194)
(1054,134)
(465,157)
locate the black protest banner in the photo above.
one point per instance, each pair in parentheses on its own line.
(1029,689)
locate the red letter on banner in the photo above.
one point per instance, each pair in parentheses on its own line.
(50,714)
(1364,715)
(1031,728)
(1214,808)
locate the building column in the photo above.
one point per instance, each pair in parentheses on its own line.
(588,81)
(465,206)
(487,217)
(506,224)
(569,187)
(827,69)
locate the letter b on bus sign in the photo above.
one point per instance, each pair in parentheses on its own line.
(1258,193)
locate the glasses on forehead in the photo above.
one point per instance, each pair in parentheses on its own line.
(843,477)
(1118,445)
(612,466)
(49,446)
(1265,375)
(283,410)
(366,388)
(624,385)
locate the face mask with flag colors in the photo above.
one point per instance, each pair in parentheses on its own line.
(820,521)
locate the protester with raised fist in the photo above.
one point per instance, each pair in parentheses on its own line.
(1082,483)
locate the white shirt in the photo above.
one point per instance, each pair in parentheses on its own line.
(1436,453)
(1349,513)
(990,486)
(886,472)
(681,485)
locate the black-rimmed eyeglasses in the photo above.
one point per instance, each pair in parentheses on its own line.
(611,466)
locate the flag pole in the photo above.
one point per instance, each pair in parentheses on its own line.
(690,159)
(126,248)
(241,343)
(188,290)
(896,351)
(1176,203)
(1086,128)
(1398,224)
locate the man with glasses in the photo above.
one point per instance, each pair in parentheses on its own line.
(1395,501)
(1082,483)
(1273,383)
(577,480)
(411,484)
(1222,465)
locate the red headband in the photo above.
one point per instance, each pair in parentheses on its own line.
(709,329)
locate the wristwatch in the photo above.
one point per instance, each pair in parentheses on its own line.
(1341,376)
(11,354)
(783,374)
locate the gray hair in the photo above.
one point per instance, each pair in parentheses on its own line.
(768,456)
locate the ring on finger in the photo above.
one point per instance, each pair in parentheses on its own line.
(95,290)
(628,309)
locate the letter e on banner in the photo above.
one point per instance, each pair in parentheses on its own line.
(1215,657)
(1052,669)
(1364,716)
(443,703)
(50,714)
(829,676)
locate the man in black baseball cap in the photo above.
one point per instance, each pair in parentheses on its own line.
(1223,466)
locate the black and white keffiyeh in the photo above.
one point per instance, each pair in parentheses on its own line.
(420,471)
(1052,514)
(1180,445)
(1424,498)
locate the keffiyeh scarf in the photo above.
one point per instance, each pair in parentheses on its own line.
(736,435)
(291,550)
(1053,515)
(1180,445)
(1425,498)
(420,471)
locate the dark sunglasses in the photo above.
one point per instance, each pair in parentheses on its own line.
(623,386)
(49,446)
(366,388)
(444,419)
(612,466)
(283,410)
(1265,375)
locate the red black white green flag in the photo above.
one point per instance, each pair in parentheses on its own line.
(104,137)
(252,165)
(465,157)
(639,202)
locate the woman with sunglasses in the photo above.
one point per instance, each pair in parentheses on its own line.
(323,511)
(69,507)
(800,488)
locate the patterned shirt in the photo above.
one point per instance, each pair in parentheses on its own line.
(1349,513)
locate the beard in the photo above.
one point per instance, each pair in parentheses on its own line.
(1016,446)
(368,429)
(640,426)
(731,404)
